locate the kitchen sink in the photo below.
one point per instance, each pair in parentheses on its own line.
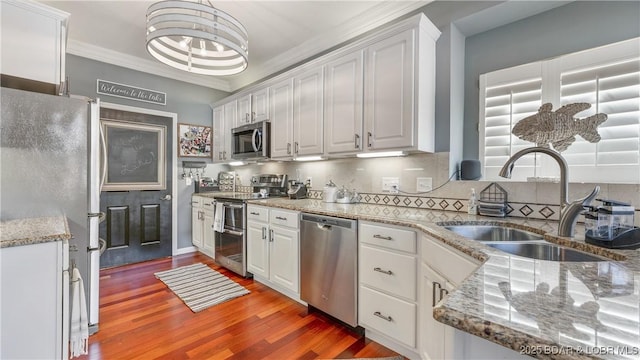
(493,233)
(544,251)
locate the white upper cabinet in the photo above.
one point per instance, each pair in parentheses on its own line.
(253,107)
(33,41)
(223,121)
(399,89)
(390,93)
(308,113)
(343,104)
(281,99)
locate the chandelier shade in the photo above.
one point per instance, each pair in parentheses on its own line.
(196,37)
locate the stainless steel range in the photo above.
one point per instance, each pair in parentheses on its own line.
(230,238)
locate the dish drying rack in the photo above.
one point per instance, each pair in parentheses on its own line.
(493,201)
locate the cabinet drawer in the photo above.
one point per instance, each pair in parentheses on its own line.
(391,272)
(196,201)
(207,203)
(257,213)
(284,218)
(389,315)
(389,237)
(448,262)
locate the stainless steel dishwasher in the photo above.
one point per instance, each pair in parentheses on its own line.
(329,266)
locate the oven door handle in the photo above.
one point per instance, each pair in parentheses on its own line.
(232,232)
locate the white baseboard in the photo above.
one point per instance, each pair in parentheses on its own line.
(186,250)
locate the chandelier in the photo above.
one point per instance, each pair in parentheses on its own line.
(196,37)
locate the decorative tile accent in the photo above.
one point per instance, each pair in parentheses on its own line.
(458,205)
(396,200)
(376,199)
(406,201)
(546,212)
(386,199)
(509,209)
(443,204)
(526,210)
(367,198)
(419,202)
(431,203)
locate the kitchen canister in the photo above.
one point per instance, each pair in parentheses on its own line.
(330,192)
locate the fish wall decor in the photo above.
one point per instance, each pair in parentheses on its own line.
(559,128)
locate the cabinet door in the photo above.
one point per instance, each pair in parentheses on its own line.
(281,98)
(389,92)
(33,41)
(196,227)
(208,236)
(258,248)
(218,133)
(260,105)
(244,110)
(343,104)
(432,332)
(308,113)
(284,258)
(230,113)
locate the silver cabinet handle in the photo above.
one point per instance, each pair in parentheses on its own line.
(281,218)
(369,135)
(253,116)
(236,233)
(379,314)
(288,148)
(271,237)
(434,292)
(443,292)
(254,213)
(224,155)
(297,147)
(167,197)
(264,233)
(356,140)
(247,118)
(382,237)
(388,272)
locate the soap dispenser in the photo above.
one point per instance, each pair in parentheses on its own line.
(472,207)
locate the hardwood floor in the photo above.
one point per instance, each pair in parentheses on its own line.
(140,318)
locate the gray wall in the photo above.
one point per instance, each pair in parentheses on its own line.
(190,102)
(577,26)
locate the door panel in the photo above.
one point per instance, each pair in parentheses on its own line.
(138,226)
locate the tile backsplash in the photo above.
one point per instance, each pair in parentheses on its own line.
(525,199)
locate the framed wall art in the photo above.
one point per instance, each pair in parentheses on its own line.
(135,156)
(194,141)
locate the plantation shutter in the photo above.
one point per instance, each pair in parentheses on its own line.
(608,78)
(508,97)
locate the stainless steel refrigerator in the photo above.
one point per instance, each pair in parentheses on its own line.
(50,166)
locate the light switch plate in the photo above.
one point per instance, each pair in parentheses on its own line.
(424,184)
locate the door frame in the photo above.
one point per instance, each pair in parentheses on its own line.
(174,169)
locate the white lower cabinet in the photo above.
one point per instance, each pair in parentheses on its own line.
(388,301)
(202,234)
(273,238)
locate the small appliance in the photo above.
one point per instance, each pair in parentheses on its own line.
(251,141)
(297,190)
(611,225)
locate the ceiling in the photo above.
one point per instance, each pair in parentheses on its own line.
(281,33)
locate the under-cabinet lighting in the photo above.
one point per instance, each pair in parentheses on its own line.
(381,154)
(236,163)
(308,158)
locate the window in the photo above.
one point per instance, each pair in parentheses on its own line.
(606,77)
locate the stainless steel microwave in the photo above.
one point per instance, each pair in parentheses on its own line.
(251,141)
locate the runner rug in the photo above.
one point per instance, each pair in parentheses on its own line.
(199,286)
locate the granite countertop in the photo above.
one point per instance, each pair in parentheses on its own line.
(33,231)
(545,309)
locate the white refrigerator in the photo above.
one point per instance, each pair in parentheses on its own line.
(50,165)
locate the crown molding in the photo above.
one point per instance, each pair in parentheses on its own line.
(377,16)
(101,54)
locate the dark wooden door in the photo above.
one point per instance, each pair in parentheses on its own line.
(138,222)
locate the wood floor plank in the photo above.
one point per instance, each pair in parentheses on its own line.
(140,318)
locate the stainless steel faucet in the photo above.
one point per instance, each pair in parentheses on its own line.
(569,211)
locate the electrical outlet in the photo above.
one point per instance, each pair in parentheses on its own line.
(424,184)
(391,184)
(308,182)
